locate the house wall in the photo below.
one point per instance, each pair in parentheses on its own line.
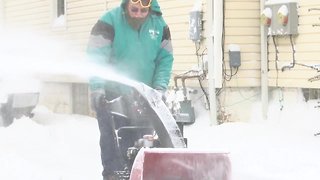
(81,15)
(242,28)
(27,14)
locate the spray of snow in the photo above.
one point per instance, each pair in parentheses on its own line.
(33,56)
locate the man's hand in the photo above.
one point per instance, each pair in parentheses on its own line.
(98,99)
(163,95)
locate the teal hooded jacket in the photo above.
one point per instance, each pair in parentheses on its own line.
(144,55)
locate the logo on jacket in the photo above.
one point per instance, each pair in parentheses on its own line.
(153,33)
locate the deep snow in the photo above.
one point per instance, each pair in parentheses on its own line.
(65,147)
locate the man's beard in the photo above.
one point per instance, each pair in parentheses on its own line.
(135,23)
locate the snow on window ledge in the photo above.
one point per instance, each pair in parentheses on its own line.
(59,21)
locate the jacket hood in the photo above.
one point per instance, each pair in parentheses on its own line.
(154,6)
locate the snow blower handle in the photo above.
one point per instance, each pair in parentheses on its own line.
(98,99)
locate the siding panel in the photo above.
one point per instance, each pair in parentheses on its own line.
(31,14)
(242,27)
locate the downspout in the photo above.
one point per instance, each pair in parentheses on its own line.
(214,43)
(264,66)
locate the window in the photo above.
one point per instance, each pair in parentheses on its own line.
(60,8)
(311,94)
(59,13)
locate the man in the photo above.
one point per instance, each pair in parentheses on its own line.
(135,41)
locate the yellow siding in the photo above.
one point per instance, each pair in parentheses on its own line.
(81,15)
(242,27)
(31,14)
(176,14)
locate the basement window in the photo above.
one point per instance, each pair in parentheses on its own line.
(60,8)
(311,94)
(59,13)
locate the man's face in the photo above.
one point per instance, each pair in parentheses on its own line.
(136,11)
(136,14)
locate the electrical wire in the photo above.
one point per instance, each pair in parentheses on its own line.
(308,66)
(268,52)
(293,57)
(222,89)
(200,56)
(197,52)
(276,60)
(205,70)
(204,92)
(294,62)
(200,74)
(229,77)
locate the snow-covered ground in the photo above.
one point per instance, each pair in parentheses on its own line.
(282,147)
(65,147)
(50,147)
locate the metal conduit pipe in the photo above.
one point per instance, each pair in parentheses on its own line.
(183,82)
(214,43)
(264,66)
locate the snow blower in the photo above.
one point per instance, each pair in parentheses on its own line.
(151,144)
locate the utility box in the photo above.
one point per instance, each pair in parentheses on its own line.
(195,26)
(284,18)
(234,55)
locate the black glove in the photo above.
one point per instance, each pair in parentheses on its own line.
(98,99)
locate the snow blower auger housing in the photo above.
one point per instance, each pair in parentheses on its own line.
(147,132)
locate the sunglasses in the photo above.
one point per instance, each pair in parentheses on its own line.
(143,3)
(136,10)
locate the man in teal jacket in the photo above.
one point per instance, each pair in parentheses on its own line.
(135,41)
